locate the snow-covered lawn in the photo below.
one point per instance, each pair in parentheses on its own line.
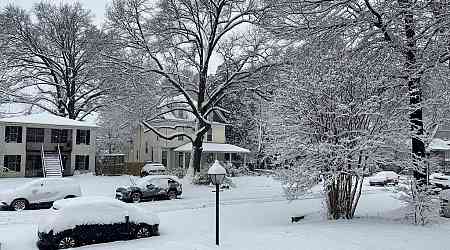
(254,215)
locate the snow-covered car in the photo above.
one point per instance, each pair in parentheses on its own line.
(440,180)
(39,193)
(86,220)
(151,187)
(445,206)
(383,178)
(152,168)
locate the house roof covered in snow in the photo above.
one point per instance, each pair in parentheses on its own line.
(438,145)
(180,101)
(213,148)
(47,119)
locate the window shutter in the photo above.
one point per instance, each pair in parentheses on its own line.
(88,137)
(7,133)
(19,136)
(78,136)
(86,164)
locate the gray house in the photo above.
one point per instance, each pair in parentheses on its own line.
(45,145)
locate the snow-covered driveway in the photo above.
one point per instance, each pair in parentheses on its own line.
(254,215)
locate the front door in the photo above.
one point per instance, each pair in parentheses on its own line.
(34,165)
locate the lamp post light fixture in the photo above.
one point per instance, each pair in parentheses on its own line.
(217,174)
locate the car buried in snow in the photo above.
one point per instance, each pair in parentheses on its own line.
(39,193)
(440,180)
(151,187)
(152,168)
(88,220)
(384,178)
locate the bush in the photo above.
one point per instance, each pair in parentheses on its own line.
(234,171)
(201,178)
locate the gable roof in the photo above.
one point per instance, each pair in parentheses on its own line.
(47,119)
(188,116)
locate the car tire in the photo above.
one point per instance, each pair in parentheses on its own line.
(172,195)
(143,231)
(66,242)
(136,197)
(19,204)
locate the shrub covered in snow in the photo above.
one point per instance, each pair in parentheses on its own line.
(422,207)
(234,171)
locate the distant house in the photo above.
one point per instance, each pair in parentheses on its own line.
(439,147)
(32,145)
(148,146)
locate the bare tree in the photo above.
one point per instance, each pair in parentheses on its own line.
(53,58)
(333,117)
(417,31)
(180,38)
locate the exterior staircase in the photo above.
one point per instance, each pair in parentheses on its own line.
(51,164)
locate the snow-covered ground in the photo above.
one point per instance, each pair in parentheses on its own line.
(254,215)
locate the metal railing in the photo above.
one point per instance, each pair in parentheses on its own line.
(60,160)
(43,161)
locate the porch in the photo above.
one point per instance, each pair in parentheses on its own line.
(211,151)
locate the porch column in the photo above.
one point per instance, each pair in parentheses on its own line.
(245,159)
(184,161)
(229,157)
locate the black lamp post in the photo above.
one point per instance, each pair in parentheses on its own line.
(217,174)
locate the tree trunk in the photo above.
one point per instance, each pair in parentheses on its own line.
(340,198)
(414,88)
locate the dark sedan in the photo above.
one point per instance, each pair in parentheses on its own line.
(87,220)
(149,188)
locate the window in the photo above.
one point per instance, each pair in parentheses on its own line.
(146,147)
(12,162)
(164,158)
(82,162)
(152,154)
(59,135)
(35,135)
(209,135)
(180,159)
(180,137)
(83,136)
(13,134)
(181,114)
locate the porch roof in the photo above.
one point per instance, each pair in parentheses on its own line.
(47,119)
(213,148)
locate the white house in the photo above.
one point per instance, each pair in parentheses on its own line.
(148,146)
(29,143)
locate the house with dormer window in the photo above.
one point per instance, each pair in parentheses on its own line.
(147,146)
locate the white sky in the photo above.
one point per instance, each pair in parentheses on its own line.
(97,7)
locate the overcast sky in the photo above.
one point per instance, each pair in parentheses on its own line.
(97,7)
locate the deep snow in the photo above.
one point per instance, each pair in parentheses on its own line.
(254,215)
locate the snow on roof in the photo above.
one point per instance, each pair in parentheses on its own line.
(154,167)
(187,116)
(214,147)
(438,144)
(47,119)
